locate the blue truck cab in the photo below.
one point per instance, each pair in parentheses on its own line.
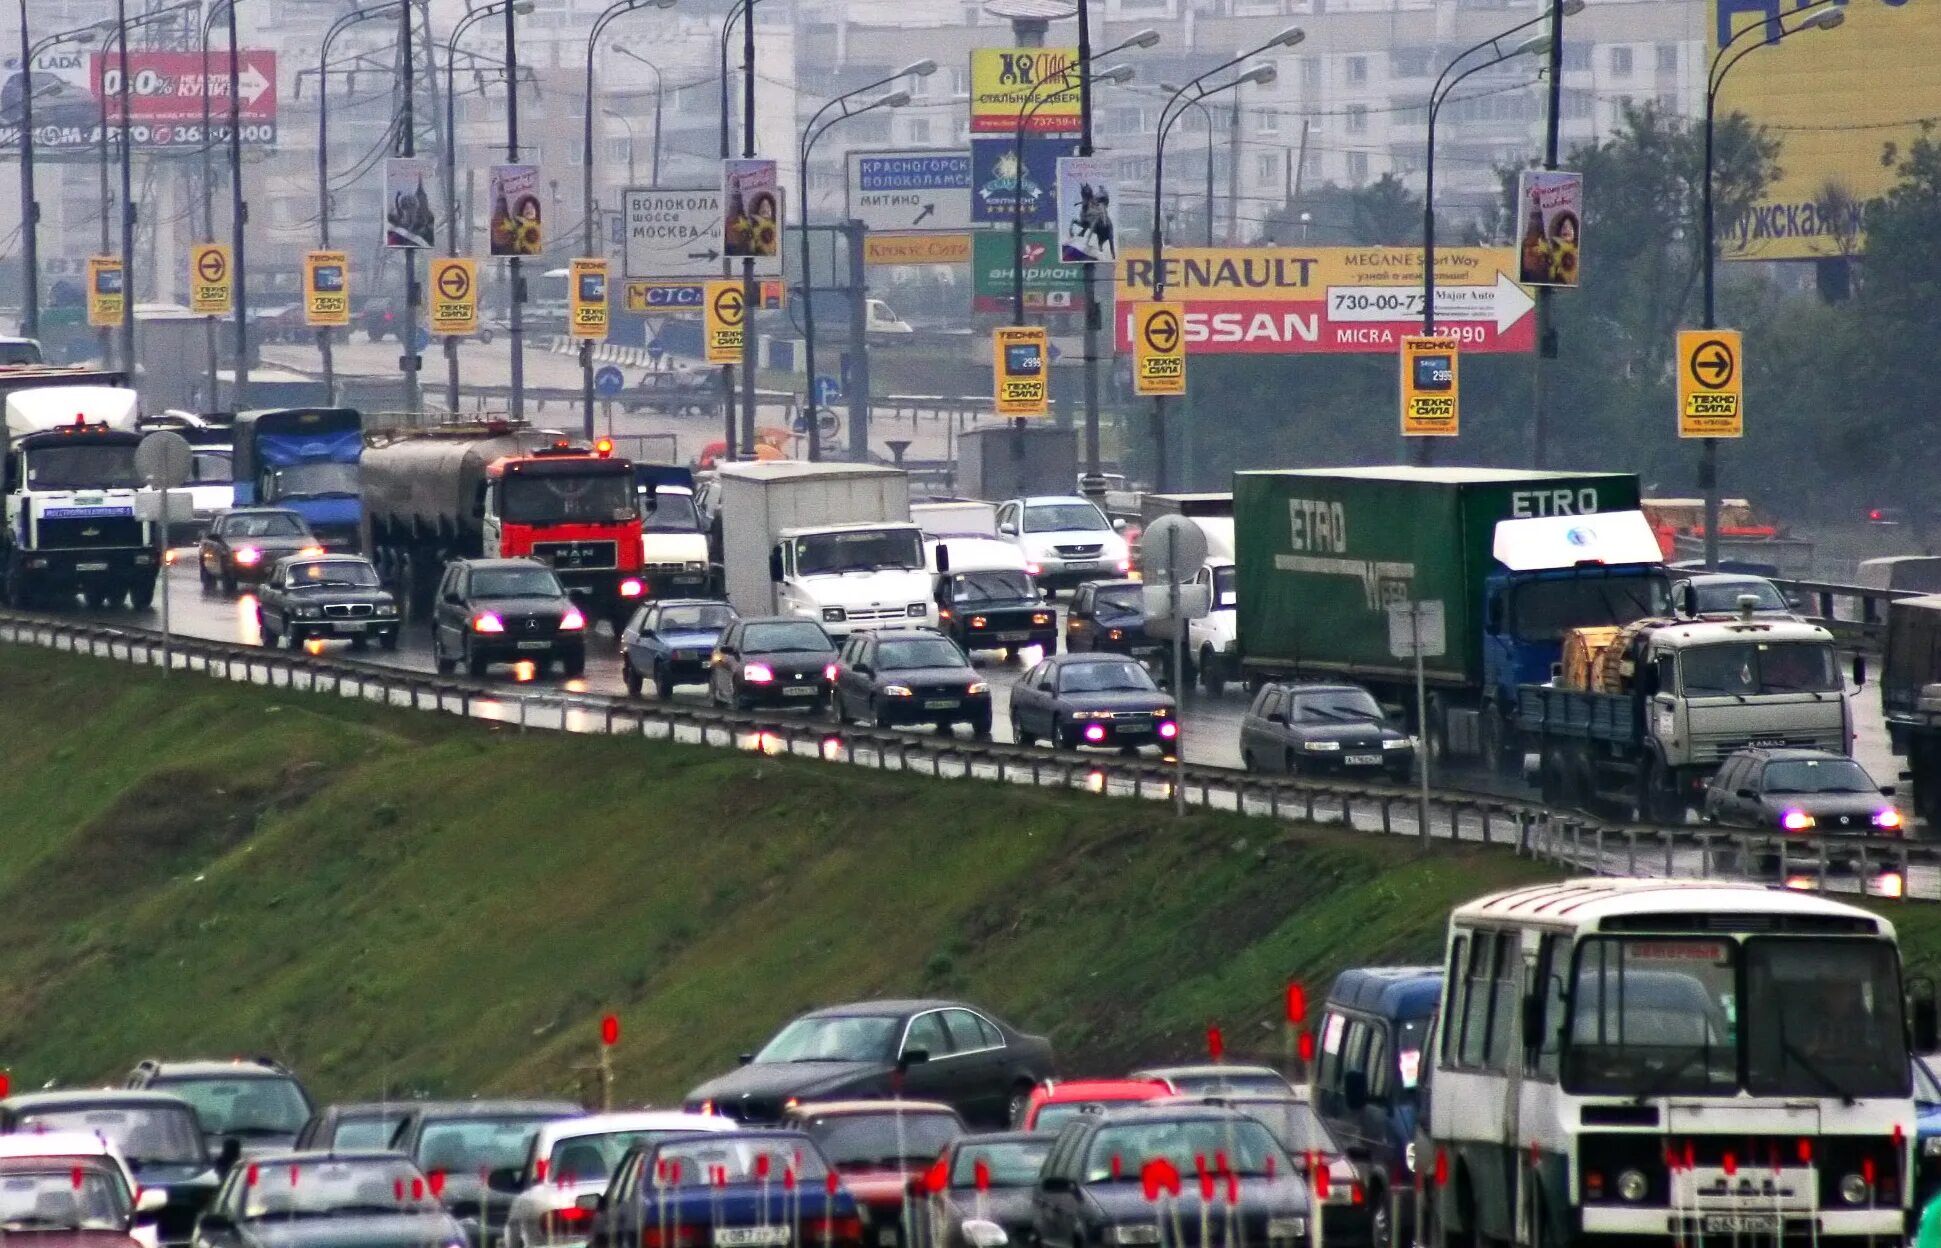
(305,459)
(1366,1082)
(1552,574)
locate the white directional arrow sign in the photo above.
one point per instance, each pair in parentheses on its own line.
(1503,304)
(251,84)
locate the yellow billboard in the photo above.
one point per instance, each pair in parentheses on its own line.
(1833,99)
(1008,82)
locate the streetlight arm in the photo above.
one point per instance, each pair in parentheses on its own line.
(1443,80)
(1715,75)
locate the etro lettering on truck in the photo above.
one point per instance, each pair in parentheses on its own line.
(1322,553)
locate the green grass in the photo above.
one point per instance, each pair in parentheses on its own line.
(398,901)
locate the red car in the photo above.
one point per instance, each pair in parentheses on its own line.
(1055,1102)
(876,1147)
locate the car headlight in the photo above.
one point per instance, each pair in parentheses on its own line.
(917,610)
(1287,1228)
(1796,821)
(308,613)
(386,608)
(979,687)
(1132,1234)
(1091,714)
(982,1233)
(247,556)
(1931,1146)
(1322,747)
(897,691)
(1631,1186)
(834,615)
(1397,743)
(696,565)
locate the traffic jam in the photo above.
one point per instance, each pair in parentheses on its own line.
(1595,1061)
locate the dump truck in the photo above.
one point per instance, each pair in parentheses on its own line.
(1515,560)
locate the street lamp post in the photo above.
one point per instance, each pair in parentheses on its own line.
(816,128)
(731,434)
(209,196)
(589,236)
(238,217)
(626,123)
(410,361)
(1212,140)
(29,204)
(1193,91)
(653,170)
(1825,19)
(515,281)
(1438,95)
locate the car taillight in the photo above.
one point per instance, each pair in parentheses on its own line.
(487,622)
(839,1230)
(829,672)
(572,621)
(757,673)
(572,1213)
(631,588)
(673,1236)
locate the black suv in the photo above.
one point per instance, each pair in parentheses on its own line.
(505,611)
(772,661)
(255,1101)
(909,676)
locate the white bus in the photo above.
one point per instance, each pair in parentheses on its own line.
(1670,1061)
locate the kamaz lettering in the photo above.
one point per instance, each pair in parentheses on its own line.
(1525,504)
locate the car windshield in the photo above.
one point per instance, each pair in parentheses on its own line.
(844,1038)
(76,1194)
(974,588)
(335,1186)
(918,652)
(737,1160)
(1200,1082)
(1106,677)
(160,1134)
(470,1145)
(1225,595)
(1816,775)
(1743,668)
(332,574)
(1054,1114)
(591,1158)
(83,468)
(859,1141)
(515,583)
(1188,1143)
(666,511)
(211,468)
(1927,1089)
(566,498)
(1336,706)
(1292,1123)
(1720,597)
(1008,1163)
(1063,518)
(804,636)
(1545,610)
(700,618)
(858,550)
(314,481)
(1120,600)
(265,524)
(243,1106)
(1658,1016)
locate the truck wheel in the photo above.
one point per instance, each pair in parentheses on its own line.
(1212,678)
(1551,782)
(141,595)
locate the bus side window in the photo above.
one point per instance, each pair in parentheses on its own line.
(1327,1072)
(1549,986)
(1378,1066)
(1506,994)
(1474,1040)
(1453,1000)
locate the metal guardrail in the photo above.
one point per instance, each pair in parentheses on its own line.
(1856,615)
(1567,838)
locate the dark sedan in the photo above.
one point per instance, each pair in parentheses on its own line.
(772,661)
(1335,1180)
(1334,730)
(327,1200)
(353,1126)
(1109,1174)
(979,1193)
(997,609)
(330,597)
(1093,699)
(669,643)
(937,1050)
(156,1132)
(244,543)
(1800,791)
(765,1189)
(458,1143)
(505,611)
(1108,616)
(893,676)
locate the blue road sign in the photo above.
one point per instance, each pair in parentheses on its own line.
(827,391)
(608,381)
(421,339)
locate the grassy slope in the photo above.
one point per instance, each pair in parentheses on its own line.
(407,901)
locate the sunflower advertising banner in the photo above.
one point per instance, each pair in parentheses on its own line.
(751,198)
(517,225)
(1551,239)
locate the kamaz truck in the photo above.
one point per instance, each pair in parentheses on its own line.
(1514,560)
(71,484)
(305,459)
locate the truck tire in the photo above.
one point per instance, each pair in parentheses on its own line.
(1658,798)
(1213,676)
(1502,743)
(141,595)
(1551,778)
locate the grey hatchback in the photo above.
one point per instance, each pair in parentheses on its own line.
(1800,791)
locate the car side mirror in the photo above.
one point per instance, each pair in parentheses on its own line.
(1276,717)
(1119,525)
(1887,790)
(912,1057)
(215,1222)
(744,1058)
(151,1200)
(943,557)
(232,1152)
(504,1179)
(1745,793)
(775,565)
(1859,670)
(1354,1090)
(1688,600)
(1008,529)
(1054,1183)
(591,1201)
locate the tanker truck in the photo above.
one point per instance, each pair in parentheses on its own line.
(70,481)
(500,489)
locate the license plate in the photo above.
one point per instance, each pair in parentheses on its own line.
(886,1236)
(1742,1223)
(798,691)
(92,565)
(740,1236)
(940,704)
(1363,760)
(1014,636)
(1080,565)
(1133,727)
(355,627)
(535,645)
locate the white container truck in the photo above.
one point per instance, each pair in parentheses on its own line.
(833,543)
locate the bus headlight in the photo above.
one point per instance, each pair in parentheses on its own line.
(1631,1186)
(1853,1189)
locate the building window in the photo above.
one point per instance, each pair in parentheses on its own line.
(1667,58)
(959,82)
(1357,70)
(1621,62)
(1357,167)
(920,130)
(1357,119)
(1310,73)
(1577,56)
(1409,63)
(1267,168)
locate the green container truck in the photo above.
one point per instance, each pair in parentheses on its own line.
(1321,553)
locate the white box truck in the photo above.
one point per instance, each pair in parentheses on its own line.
(832,543)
